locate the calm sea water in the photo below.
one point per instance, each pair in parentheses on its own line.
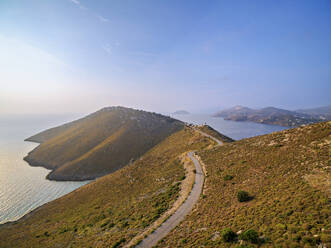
(233,129)
(22,187)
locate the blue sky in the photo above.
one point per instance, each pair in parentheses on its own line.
(79,55)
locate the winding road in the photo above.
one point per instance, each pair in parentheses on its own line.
(219,143)
(163,230)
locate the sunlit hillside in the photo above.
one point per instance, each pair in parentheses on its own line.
(114,208)
(287,178)
(100,143)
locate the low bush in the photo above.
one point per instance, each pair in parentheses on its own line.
(250,235)
(228,235)
(243,196)
(227,177)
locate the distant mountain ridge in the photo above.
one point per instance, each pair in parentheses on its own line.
(274,116)
(322,112)
(99,143)
(181,112)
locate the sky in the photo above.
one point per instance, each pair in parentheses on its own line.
(77,56)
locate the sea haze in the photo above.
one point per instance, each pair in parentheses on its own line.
(22,187)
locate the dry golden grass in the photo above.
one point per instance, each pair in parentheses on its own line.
(212,132)
(100,143)
(185,189)
(286,210)
(114,208)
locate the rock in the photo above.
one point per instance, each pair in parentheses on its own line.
(215,236)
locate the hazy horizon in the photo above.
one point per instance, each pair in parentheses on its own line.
(77,56)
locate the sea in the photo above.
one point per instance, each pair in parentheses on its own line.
(233,129)
(24,188)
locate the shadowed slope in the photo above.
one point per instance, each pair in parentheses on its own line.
(99,143)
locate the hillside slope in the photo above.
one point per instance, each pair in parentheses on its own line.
(100,143)
(209,130)
(287,176)
(113,209)
(269,115)
(321,112)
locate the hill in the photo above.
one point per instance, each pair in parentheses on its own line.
(320,112)
(269,115)
(211,131)
(112,210)
(287,177)
(100,143)
(266,191)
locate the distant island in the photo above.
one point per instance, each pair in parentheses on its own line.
(181,112)
(276,116)
(321,112)
(99,143)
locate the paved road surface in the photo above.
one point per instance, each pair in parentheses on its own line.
(209,136)
(181,212)
(163,230)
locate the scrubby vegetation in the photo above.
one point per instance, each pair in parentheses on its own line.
(212,132)
(286,172)
(100,143)
(228,235)
(243,196)
(250,235)
(112,210)
(228,177)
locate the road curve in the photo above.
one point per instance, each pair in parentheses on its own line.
(162,231)
(219,143)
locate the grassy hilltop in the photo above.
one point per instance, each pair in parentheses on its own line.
(287,178)
(100,143)
(112,210)
(266,191)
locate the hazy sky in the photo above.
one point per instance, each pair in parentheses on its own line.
(60,56)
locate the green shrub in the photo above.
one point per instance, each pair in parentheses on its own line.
(228,235)
(227,177)
(250,235)
(243,196)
